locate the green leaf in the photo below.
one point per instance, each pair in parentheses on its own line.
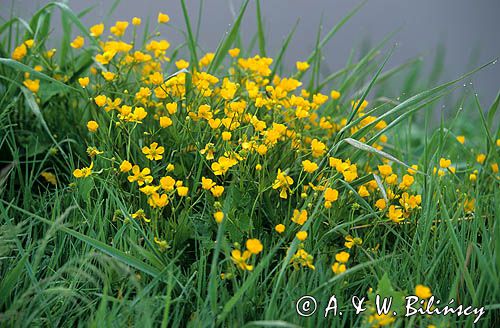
(191,40)
(358,144)
(260,30)
(24,68)
(8,283)
(331,33)
(385,290)
(33,105)
(226,44)
(283,49)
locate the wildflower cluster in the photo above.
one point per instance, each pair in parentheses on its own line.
(187,142)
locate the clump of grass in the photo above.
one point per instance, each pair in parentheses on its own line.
(144,188)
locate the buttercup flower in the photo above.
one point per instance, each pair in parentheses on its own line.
(254,246)
(84,82)
(241,259)
(422,292)
(153,152)
(83,172)
(125,166)
(92,126)
(280,228)
(283,182)
(163,18)
(78,42)
(301,235)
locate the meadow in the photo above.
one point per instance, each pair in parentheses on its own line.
(144,183)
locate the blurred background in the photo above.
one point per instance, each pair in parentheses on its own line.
(466,32)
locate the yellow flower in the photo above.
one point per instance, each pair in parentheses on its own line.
(258,167)
(299,217)
(318,148)
(223,165)
(392,179)
(226,136)
(171,108)
(302,258)
(338,268)
(380,204)
(149,190)
(283,182)
(395,214)
(20,52)
(331,195)
(461,139)
(207,183)
(50,53)
(163,18)
(105,57)
(170,167)
(480,158)
(218,216)
(444,163)
(302,66)
(234,52)
(207,59)
(494,167)
(241,259)
(181,64)
(32,85)
(167,183)
(153,152)
(422,291)
(342,257)
(407,181)
(208,151)
(350,241)
(165,121)
(136,21)
(228,89)
(469,205)
(49,177)
(97,30)
(83,172)
(254,246)
(301,235)
(119,28)
(335,94)
(108,76)
(139,176)
(380,320)
(92,126)
(385,170)
(363,192)
(413,169)
(125,166)
(140,215)
(78,42)
(162,244)
(100,100)
(182,191)
(262,150)
(83,81)
(309,166)
(157,200)
(280,228)
(217,191)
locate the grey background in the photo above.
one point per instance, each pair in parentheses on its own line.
(466,28)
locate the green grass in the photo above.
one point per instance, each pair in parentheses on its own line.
(71,255)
